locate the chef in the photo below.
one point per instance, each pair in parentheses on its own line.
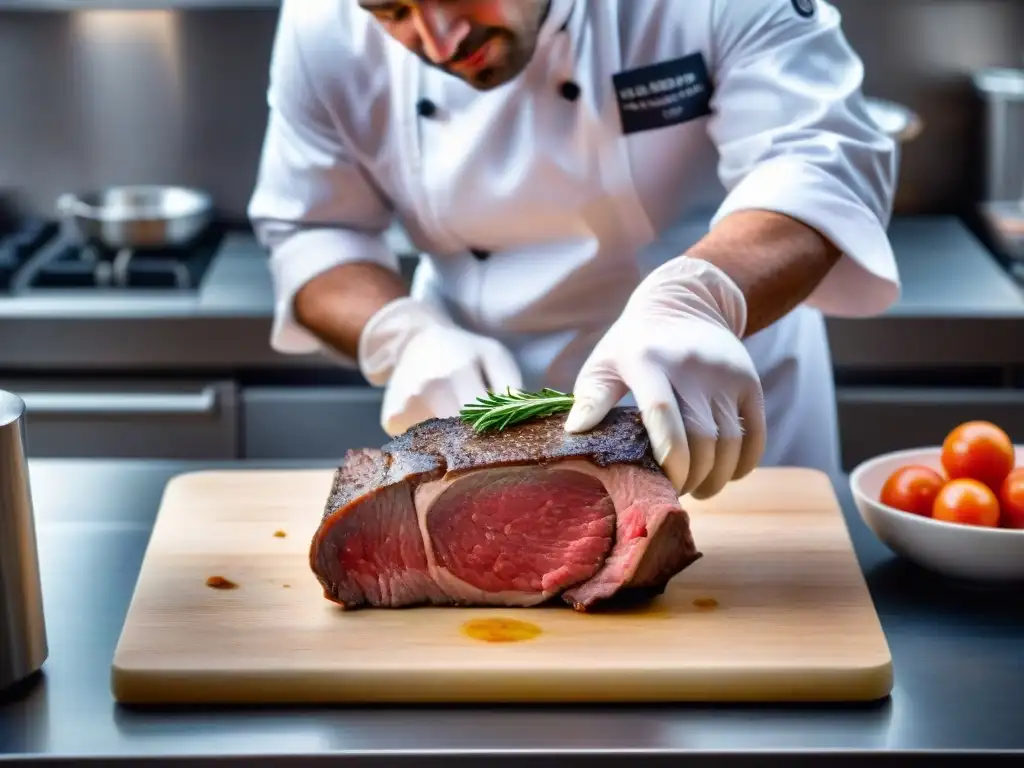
(549,160)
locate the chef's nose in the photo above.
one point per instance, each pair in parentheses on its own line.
(441,30)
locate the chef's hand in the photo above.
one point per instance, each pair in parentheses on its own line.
(677,347)
(431,367)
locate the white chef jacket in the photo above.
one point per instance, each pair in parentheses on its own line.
(539,205)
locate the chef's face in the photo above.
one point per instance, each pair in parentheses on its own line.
(484,42)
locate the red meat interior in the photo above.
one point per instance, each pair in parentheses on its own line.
(375,552)
(525,529)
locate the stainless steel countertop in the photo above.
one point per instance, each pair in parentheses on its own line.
(958,306)
(956,651)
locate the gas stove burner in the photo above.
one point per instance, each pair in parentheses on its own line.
(76,266)
(73,264)
(38,255)
(19,244)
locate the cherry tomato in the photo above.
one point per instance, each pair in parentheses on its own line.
(968,502)
(978,450)
(912,489)
(1011,499)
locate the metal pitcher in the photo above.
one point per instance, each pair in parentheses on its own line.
(23,646)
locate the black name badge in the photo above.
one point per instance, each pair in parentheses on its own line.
(663,94)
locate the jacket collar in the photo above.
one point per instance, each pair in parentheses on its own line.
(557,21)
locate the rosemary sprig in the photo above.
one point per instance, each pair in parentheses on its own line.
(498,411)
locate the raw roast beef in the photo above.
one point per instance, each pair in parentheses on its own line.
(442,515)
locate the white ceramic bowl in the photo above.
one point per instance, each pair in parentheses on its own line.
(960,551)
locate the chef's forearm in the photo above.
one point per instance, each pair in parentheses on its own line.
(337,304)
(776,261)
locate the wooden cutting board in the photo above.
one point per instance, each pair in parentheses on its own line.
(776,610)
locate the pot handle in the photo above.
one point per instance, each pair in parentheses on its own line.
(69,209)
(68,204)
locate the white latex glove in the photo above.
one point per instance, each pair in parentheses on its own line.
(431,367)
(677,347)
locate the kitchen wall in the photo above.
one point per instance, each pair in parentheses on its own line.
(103,97)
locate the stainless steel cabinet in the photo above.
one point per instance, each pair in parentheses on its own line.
(310,422)
(151,419)
(874,420)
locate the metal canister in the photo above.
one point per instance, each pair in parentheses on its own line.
(1002,91)
(23,645)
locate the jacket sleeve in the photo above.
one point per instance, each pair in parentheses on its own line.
(794,136)
(314,207)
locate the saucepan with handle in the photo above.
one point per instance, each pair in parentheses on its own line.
(898,121)
(138,217)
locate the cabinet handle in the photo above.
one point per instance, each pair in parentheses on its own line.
(199,403)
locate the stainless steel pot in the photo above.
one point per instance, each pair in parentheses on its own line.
(1002,204)
(137,217)
(1002,93)
(23,647)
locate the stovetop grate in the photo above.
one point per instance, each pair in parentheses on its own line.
(39,256)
